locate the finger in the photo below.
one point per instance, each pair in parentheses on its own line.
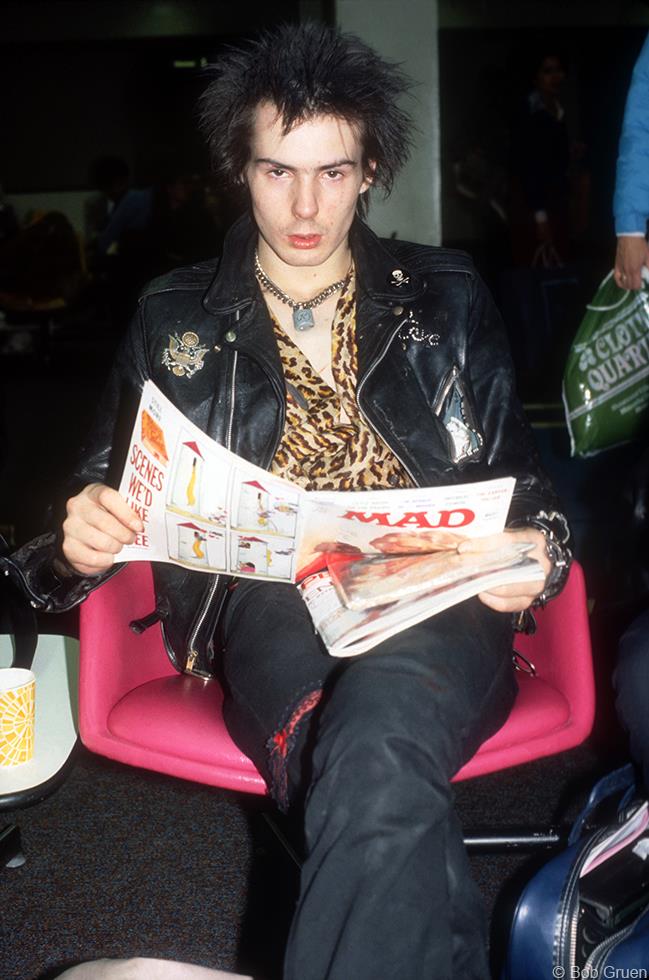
(504,604)
(86,509)
(98,540)
(97,529)
(523,590)
(634,281)
(109,525)
(85,560)
(114,504)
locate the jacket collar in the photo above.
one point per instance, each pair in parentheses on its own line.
(379,273)
(384,277)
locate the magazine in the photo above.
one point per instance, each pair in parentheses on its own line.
(356,604)
(374,553)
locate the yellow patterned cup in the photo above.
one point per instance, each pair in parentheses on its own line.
(17,699)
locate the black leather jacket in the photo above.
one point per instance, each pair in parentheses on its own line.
(434,380)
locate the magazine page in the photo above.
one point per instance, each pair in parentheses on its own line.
(387,522)
(348,632)
(205,508)
(202,506)
(367,582)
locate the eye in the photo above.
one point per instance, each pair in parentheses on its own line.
(333,174)
(278,172)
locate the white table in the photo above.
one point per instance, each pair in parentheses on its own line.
(56,667)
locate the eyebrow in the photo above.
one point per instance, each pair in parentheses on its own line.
(327,166)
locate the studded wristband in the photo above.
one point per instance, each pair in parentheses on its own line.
(554,528)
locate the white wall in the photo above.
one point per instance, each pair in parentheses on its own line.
(406,32)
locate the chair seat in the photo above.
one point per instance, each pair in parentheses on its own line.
(539,725)
(180,718)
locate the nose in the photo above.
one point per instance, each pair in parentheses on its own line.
(305,202)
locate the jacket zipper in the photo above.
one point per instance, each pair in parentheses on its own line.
(443,395)
(359,390)
(207,602)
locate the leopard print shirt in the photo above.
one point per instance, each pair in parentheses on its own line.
(318,451)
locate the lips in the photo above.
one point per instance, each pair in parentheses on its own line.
(305,241)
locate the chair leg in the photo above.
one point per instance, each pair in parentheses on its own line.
(479,839)
(514,839)
(11,851)
(279,834)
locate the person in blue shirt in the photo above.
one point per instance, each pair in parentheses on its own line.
(631,209)
(631,200)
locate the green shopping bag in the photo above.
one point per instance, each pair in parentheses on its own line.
(606,380)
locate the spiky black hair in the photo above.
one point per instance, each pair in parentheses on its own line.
(305,71)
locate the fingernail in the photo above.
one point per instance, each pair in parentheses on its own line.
(137,526)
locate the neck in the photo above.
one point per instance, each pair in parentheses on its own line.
(303,282)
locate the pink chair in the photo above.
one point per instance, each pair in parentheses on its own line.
(135,708)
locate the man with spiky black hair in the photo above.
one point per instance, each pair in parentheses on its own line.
(341,362)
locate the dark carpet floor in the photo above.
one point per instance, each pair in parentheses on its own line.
(122,862)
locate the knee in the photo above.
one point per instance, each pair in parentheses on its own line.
(381,725)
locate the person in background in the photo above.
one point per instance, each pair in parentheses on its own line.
(120,248)
(631,210)
(548,201)
(342,362)
(183,229)
(631,198)
(118,211)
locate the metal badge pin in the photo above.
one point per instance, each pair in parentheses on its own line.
(399,278)
(184,356)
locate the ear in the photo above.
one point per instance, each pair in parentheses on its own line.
(368,180)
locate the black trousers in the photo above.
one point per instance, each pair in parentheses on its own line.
(370,745)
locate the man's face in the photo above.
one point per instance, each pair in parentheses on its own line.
(550,76)
(304,186)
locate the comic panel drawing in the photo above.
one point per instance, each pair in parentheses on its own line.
(251,555)
(266,507)
(153,438)
(191,544)
(195,487)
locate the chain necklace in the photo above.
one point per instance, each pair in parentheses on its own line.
(302,316)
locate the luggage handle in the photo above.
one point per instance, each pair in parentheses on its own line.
(614,306)
(620,781)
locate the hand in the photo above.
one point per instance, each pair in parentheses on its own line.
(99,523)
(632,253)
(519,595)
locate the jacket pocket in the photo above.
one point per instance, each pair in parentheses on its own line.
(454,409)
